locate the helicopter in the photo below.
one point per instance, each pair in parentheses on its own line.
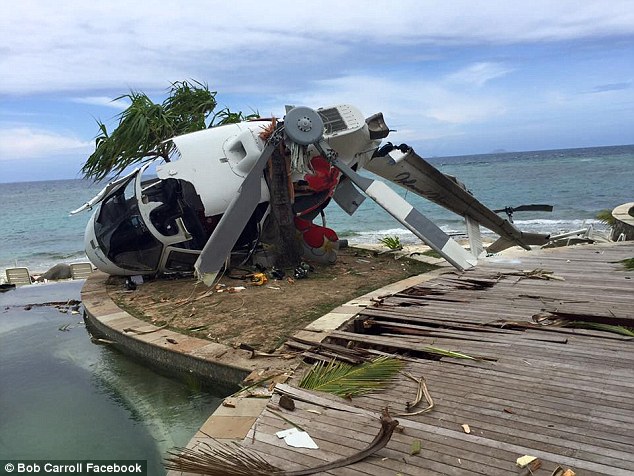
(213,200)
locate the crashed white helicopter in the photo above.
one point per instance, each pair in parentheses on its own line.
(215,197)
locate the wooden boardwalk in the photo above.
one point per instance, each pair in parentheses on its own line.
(562,394)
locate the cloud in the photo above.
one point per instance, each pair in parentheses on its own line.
(102,101)
(25,143)
(601,88)
(415,101)
(479,73)
(99,45)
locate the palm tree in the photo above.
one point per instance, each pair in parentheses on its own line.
(145,126)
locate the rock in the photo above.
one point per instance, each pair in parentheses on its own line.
(59,271)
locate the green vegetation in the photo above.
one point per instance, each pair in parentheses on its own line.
(347,380)
(432,253)
(628,263)
(622,330)
(605,216)
(145,126)
(447,353)
(392,242)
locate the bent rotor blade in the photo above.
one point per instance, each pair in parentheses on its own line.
(411,218)
(414,173)
(233,221)
(527,208)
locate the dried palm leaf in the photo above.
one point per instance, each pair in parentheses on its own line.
(226,460)
(421,391)
(220,459)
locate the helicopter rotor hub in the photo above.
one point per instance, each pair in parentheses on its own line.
(303,125)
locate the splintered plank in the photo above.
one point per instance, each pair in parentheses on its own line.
(563,394)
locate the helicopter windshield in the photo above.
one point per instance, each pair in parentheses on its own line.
(122,234)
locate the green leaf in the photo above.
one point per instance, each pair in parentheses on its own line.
(446,353)
(145,126)
(392,242)
(622,330)
(347,381)
(415,448)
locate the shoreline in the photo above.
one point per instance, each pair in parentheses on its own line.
(358,238)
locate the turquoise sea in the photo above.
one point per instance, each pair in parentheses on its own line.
(38,232)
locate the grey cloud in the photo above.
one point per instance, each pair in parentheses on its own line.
(611,87)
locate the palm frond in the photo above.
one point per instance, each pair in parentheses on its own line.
(220,459)
(447,353)
(145,127)
(605,217)
(347,381)
(628,263)
(622,330)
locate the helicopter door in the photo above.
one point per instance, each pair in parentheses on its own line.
(121,232)
(171,209)
(179,260)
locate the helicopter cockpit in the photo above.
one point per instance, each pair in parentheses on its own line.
(146,225)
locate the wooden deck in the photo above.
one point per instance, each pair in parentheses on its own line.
(562,394)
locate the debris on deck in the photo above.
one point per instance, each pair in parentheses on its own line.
(511,377)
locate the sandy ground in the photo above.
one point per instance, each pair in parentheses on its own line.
(239,312)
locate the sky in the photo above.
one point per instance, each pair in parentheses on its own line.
(451,77)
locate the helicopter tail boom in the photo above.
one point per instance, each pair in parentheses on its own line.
(404,167)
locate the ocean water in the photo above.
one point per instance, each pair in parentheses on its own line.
(38,232)
(577,182)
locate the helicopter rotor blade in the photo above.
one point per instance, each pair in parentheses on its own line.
(403,166)
(527,208)
(235,218)
(407,215)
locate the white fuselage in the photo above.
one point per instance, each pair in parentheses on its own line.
(137,229)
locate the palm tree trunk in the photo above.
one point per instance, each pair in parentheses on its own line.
(289,250)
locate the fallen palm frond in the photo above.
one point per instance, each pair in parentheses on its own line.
(347,380)
(560,319)
(221,459)
(628,263)
(606,217)
(622,330)
(447,353)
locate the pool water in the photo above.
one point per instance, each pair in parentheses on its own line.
(63,397)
